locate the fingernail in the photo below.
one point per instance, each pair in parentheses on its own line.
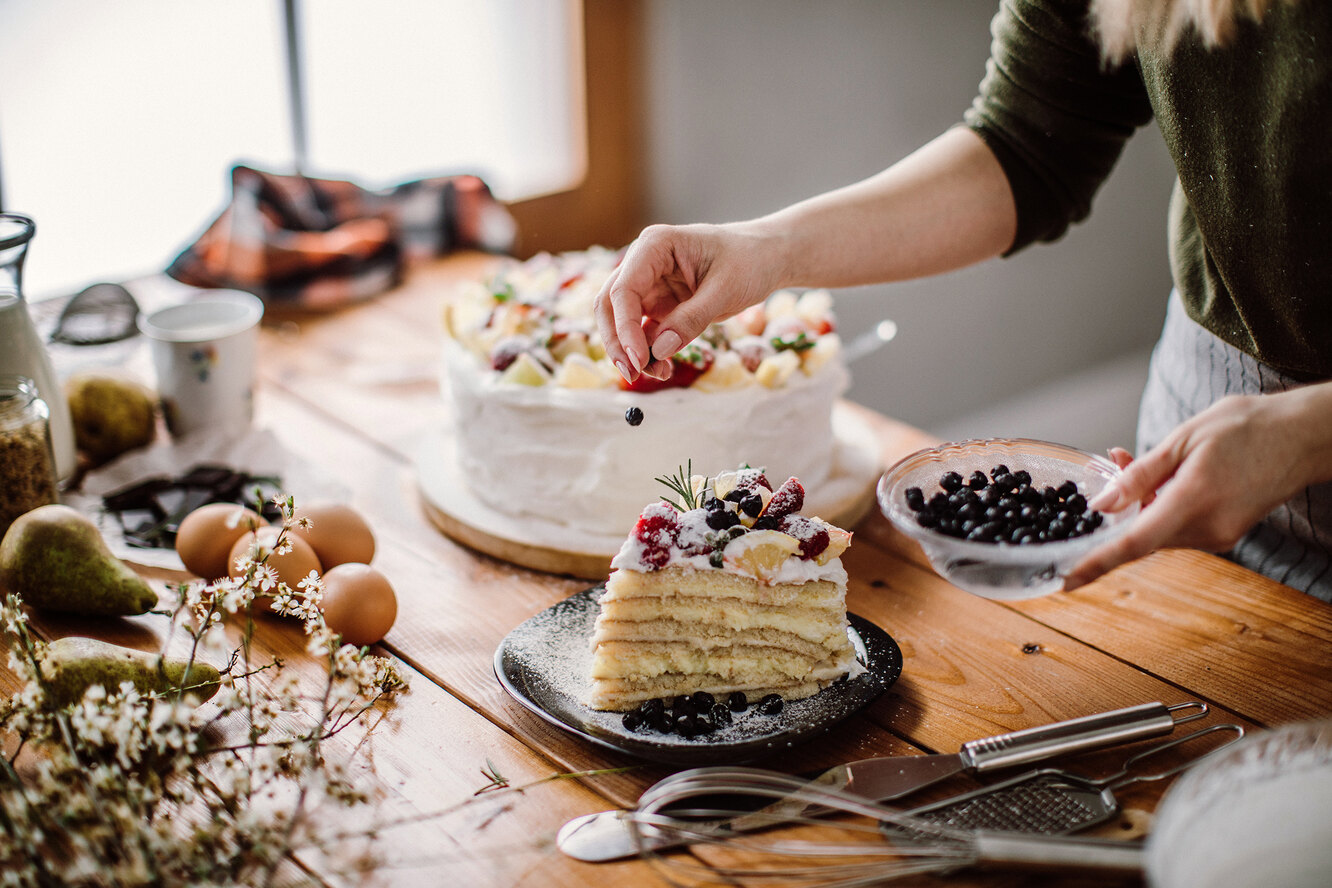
(666,344)
(1108,496)
(659,370)
(624,371)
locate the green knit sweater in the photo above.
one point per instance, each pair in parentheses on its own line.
(1250,131)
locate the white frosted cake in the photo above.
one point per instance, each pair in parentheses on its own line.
(730,590)
(539,413)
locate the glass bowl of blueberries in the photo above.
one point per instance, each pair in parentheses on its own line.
(1003,518)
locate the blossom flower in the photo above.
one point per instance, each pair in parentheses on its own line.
(135,787)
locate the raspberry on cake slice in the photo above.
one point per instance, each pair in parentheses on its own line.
(728,589)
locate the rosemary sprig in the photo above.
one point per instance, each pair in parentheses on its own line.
(495,780)
(681,484)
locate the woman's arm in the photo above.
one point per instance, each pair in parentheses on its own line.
(945,206)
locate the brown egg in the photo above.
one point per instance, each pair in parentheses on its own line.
(291,568)
(207,534)
(359,603)
(337,533)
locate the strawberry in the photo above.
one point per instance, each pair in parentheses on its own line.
(786,500)
(682,376)
(811,535)
(656,529)
(752,479)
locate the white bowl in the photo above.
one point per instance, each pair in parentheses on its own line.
(1004,571)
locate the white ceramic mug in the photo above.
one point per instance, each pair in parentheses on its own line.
(203,351)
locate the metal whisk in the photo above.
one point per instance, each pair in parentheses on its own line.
(842,853)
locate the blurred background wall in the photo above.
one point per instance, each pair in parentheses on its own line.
(754,104)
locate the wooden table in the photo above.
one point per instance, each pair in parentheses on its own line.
(354,392)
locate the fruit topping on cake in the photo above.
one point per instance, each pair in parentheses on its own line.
(735,521)
(532,323)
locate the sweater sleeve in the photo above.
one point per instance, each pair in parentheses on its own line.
(1054,115)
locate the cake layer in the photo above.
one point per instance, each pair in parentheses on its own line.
(707,636)
(647,660)
(567,455)
(813,625)
(618,695)
(719,584)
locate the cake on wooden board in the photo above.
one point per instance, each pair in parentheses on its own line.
(538,428)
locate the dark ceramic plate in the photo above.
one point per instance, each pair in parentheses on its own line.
(544,662)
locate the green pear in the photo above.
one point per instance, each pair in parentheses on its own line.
(111,414)
(75,664)
(54,558)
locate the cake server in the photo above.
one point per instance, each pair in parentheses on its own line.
(611,835)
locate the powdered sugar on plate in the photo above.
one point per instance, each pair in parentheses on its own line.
(544,664)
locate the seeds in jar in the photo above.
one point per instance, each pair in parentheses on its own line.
(27,473)
(1003,507)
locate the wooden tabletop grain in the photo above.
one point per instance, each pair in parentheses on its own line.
(355,393)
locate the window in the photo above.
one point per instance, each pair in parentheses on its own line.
(119,121)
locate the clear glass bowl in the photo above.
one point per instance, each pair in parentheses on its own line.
(1001,570)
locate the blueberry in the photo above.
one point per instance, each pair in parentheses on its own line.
(752,505)
(662,722)
(1023,477)
(737,701)
(1077,504)
(632,721)
(768,522)
(633,416)
(650,708)
(1022,535)
(686,726)
(702,700)
(915,499)
(734,496)
(977,481)
(939,502)
(951,481)
(1067,489)
(1050,495)
(998,470)
(722,519)
(924,519)
(771,704)
(682,705)
(713,504)
(720,714)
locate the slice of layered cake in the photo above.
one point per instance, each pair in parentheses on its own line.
(729,589)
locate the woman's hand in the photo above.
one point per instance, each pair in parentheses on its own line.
(672,283)
(1216,475)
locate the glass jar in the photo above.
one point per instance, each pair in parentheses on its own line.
(27,464)
(22,352)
